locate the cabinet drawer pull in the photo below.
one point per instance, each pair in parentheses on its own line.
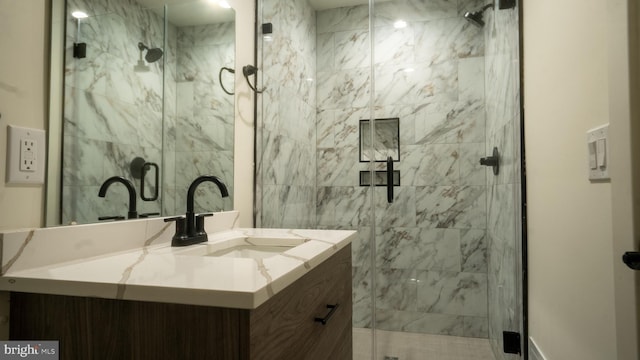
(324,320)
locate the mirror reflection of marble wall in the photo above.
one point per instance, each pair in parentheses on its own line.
(112,111)
(171,112)
(199,136)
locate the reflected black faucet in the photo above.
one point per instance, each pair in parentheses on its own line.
(190,229)
(133,214)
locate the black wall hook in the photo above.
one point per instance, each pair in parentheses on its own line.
(249,70)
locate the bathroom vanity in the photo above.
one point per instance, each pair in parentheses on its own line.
(219,300)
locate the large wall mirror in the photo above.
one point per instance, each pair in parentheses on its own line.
(136,92)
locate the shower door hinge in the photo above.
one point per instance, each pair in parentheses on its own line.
(511,342)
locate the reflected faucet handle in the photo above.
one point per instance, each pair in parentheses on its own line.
(115,217)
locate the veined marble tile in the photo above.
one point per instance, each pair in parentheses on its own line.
(447,39)
(347,126)
(394,46)
(471,78)
(396,289)
(471,172)
(190,165)
(416,248)
(343,19)
(452,293)
(462,123)
(361,246)
(402,212)
(437,164)
(325,58)
(343,89)
(203,63)
(297,206)
(83,162)
(362,296)
(474,249)
(336,167)
(343,206)
(458,207)
(202,35)
(352,49)
(476,326)
(419,322)
(325,121)
(501,216)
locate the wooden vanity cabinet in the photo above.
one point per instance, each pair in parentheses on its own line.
(282,328)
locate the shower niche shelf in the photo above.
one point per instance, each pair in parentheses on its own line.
(380,178)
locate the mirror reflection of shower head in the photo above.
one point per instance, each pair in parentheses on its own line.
(476,17)
(153,55)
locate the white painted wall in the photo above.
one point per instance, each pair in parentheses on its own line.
(23,99)
(23,102)
(571,292)
(243,144)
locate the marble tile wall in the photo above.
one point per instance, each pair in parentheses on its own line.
(112,113)
(199,133)
(431,244)
(504,232)
(287,122)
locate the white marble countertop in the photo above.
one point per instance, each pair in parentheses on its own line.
(161,273)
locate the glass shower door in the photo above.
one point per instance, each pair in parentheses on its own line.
(447,246)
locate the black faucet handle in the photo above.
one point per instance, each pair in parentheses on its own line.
(181,222)
(180,235)
(200,222)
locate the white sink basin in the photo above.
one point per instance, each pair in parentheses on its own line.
(243,247)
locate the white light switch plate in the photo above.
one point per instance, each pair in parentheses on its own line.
(598,153)
(25,155)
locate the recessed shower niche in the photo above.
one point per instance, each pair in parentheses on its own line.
(386,140)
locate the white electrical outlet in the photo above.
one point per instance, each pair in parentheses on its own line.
(25,155)
(28,155)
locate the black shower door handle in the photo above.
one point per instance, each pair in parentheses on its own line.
(145,168)
(389,179)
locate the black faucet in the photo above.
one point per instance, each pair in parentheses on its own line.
(133,214)
(190,229)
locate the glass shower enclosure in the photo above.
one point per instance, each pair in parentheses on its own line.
(376,118)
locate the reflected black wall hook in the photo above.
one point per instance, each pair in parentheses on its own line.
(248,70)
(220,79)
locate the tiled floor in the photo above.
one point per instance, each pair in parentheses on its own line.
(411,346)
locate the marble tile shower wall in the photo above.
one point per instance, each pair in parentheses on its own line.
(199,139)
(287,163)
(504,213)
(111,113)
(431,263)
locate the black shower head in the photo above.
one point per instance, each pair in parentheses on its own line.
(476,17)
(153,55)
